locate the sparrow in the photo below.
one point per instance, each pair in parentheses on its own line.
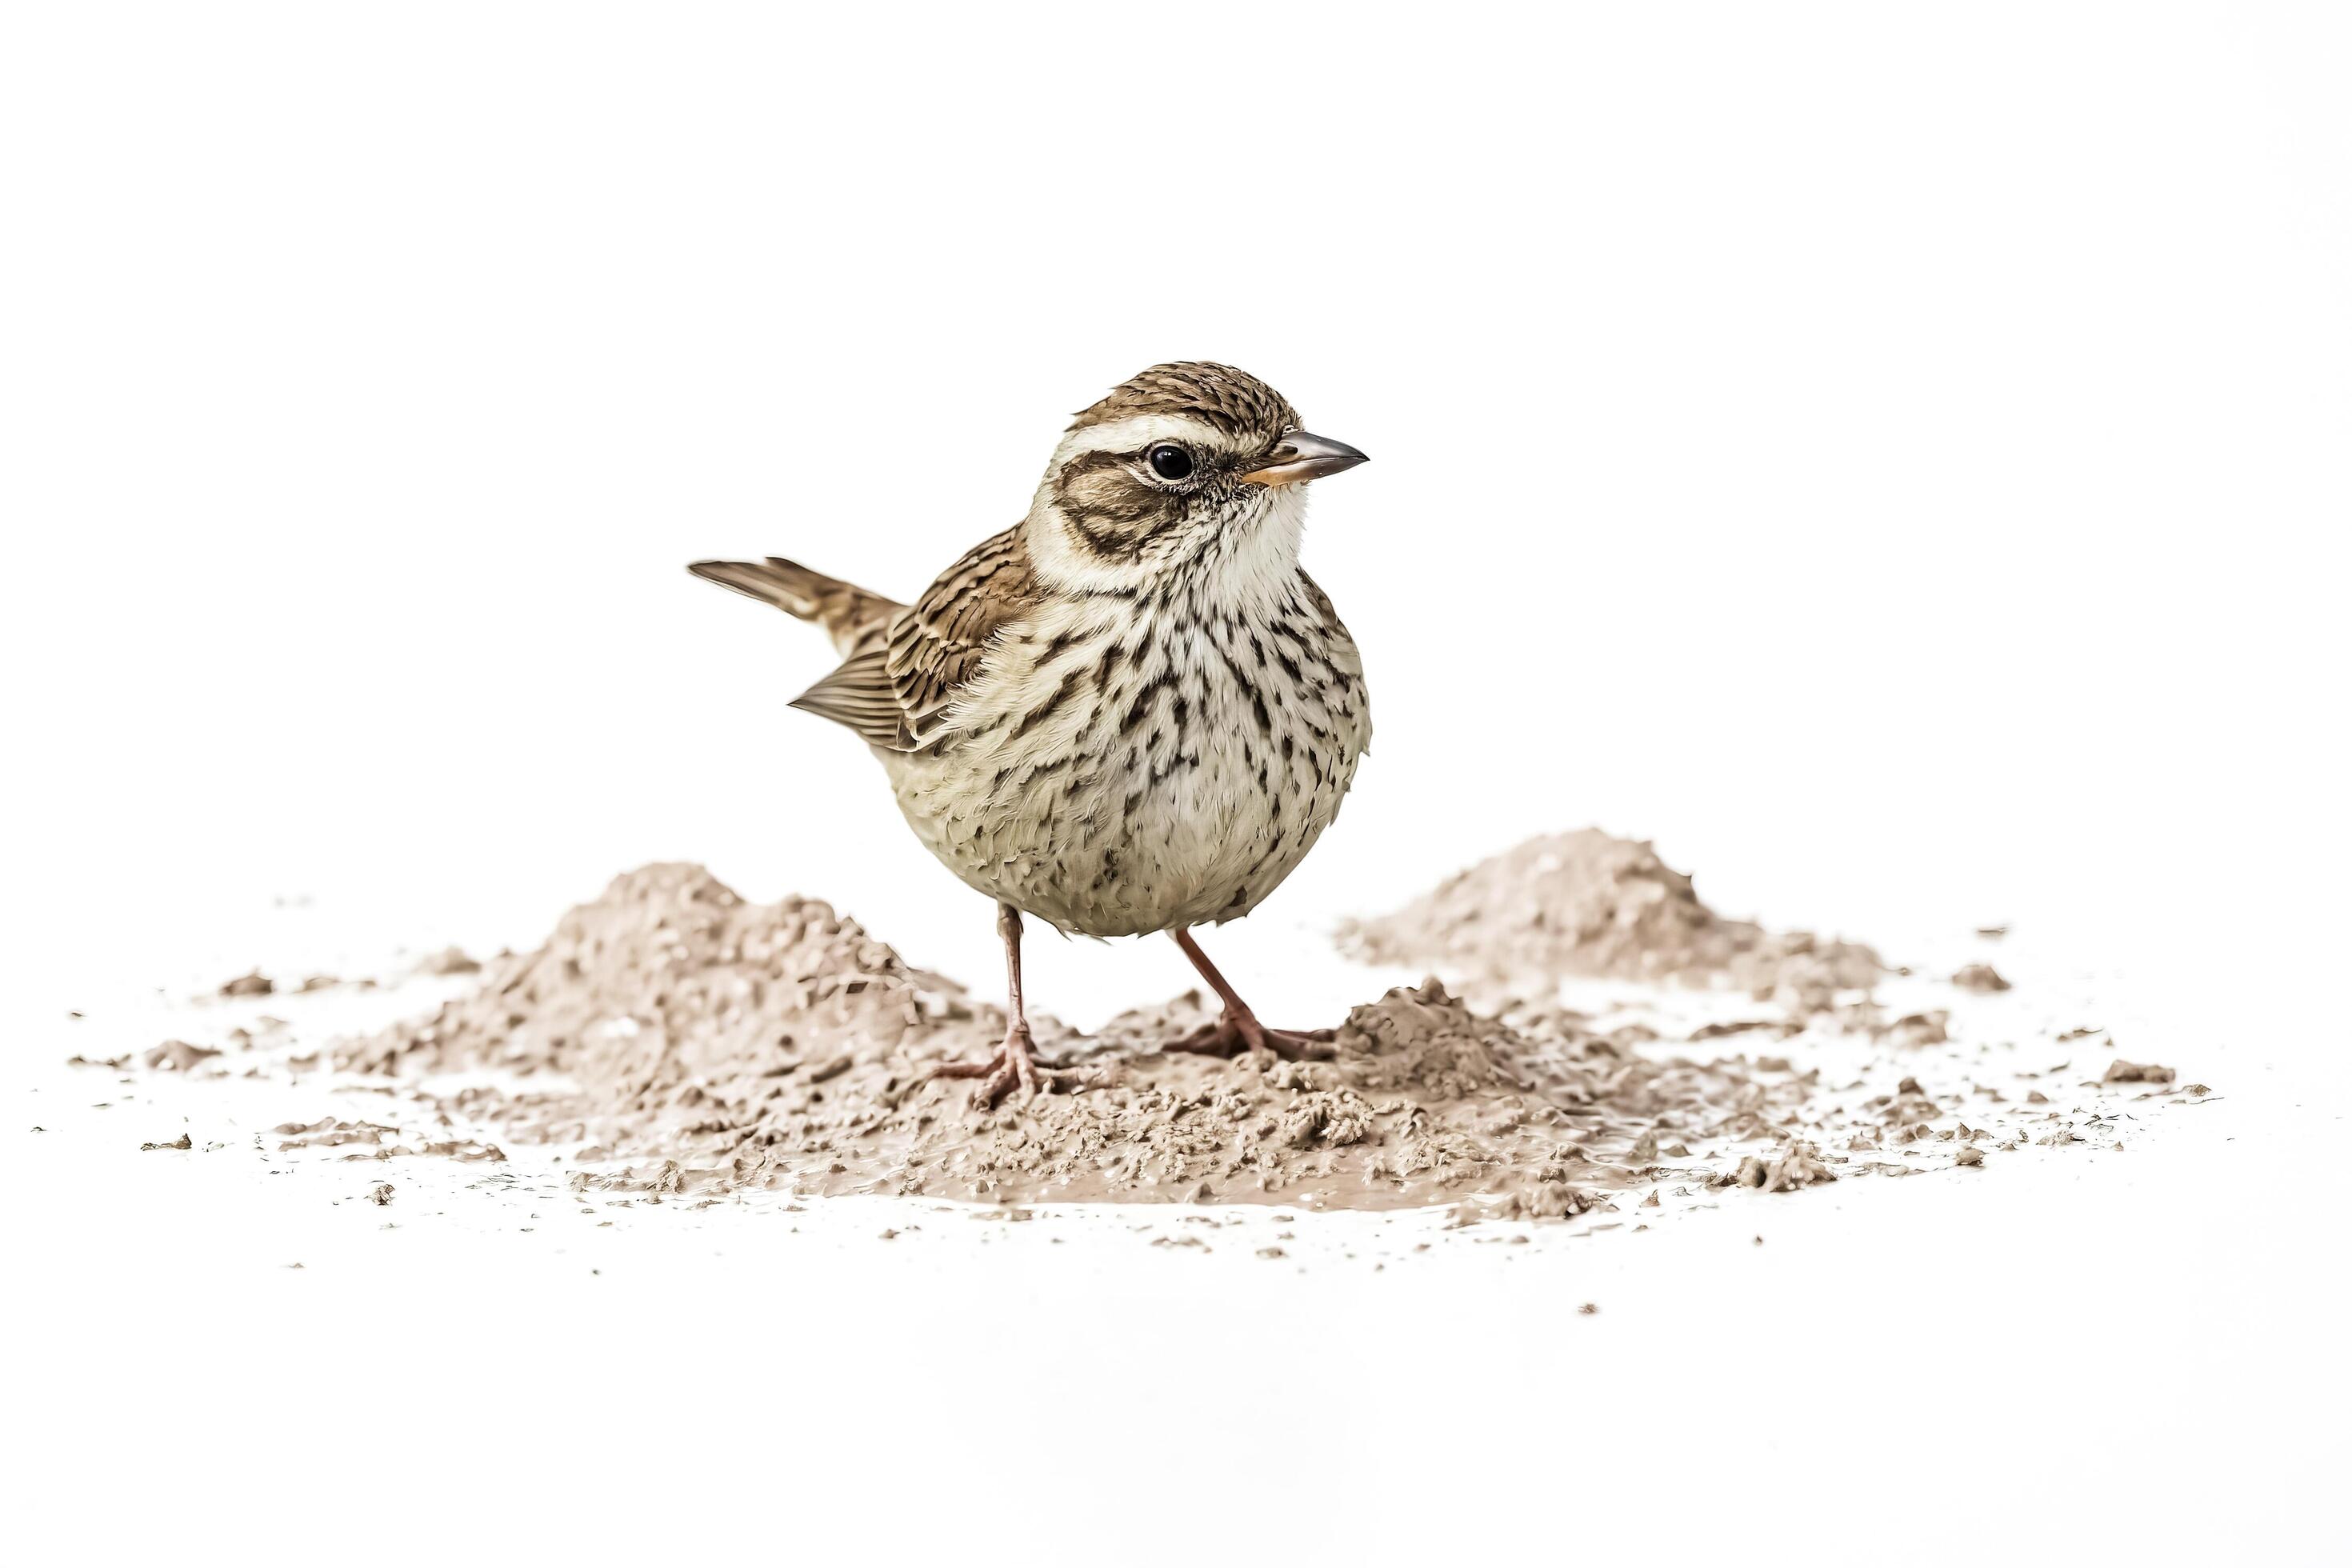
(1132,711)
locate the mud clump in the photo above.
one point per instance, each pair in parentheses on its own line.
(1587,905)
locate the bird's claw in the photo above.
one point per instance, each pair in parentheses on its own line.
(1234,1031)
(1014,1064)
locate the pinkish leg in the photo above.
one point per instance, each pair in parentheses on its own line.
(1236,1028)
(1015,1061)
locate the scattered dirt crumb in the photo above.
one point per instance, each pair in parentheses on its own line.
(178,1056)
(179,1142)
(1800,1165)
(252,982)
(1979,978)
(1916,1030)
(2121,1071)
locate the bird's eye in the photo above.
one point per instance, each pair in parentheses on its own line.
(1171,462)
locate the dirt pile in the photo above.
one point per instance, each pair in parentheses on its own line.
(691,1041)
(670,1039)
(1585,904)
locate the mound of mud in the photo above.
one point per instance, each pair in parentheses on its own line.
(691,1041)
(670,1039)
(1587,905)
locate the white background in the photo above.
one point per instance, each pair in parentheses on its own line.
(1895,457)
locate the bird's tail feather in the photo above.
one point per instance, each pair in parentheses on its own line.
(849,613)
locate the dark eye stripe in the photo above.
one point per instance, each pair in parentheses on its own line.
(1114,511)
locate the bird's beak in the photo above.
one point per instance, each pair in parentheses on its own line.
(1302,456)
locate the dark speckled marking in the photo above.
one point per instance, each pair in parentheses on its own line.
(1044,710)
(1142,707)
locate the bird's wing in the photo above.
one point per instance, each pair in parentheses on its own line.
(859,694)
(897,697)
(936,647)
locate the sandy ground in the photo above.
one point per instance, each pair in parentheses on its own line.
(2073,1349)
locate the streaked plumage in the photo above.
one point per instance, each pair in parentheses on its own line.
(1132,711)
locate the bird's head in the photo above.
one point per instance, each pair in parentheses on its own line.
(1186,468)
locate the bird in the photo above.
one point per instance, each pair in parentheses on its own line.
(1132,711)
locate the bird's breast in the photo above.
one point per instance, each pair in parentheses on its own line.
(1118,768)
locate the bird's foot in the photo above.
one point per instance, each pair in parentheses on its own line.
(1016,1062)
(1236,1030)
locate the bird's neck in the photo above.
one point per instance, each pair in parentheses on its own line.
(1240,566)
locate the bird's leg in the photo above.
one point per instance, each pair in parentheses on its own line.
(1015,1061)
(1237,1028)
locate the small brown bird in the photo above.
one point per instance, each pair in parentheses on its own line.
(1132,711)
